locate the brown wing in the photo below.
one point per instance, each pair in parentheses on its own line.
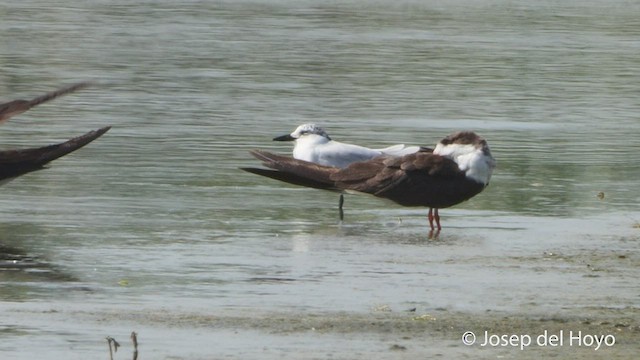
(383,173)
(293,171)
(14,163)
(420,179)
(15,107)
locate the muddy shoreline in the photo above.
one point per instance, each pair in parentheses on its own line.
(382,333)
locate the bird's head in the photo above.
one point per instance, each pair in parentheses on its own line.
(470,152)
(303,131)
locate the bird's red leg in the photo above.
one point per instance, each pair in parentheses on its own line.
(430,217)
(437,217)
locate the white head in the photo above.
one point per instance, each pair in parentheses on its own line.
(303,131)
(470,152)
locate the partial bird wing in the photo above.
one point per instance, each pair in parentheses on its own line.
(293,171)
(15,107)
(341,155)
(384,173)
(14,163)
(399,150)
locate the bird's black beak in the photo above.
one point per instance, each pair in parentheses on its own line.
(287,137)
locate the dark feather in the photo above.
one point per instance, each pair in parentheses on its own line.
(16,107)
(299,168)
(290,178)
(14,163)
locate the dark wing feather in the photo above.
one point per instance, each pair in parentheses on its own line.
(419,179)
(371,176)
(290,178)
(298,168)
(382,173)
(15,107)
(360,171)
(434,165)
(14,163)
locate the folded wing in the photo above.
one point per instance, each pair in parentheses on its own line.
(293,171)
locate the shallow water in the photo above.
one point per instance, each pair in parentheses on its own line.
(156,217)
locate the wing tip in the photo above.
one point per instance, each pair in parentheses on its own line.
(101,131)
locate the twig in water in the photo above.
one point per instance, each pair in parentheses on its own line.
(134,340)
(116,345)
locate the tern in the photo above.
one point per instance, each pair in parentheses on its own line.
(14,163)
(16,107)
(459,168)
(313,144)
